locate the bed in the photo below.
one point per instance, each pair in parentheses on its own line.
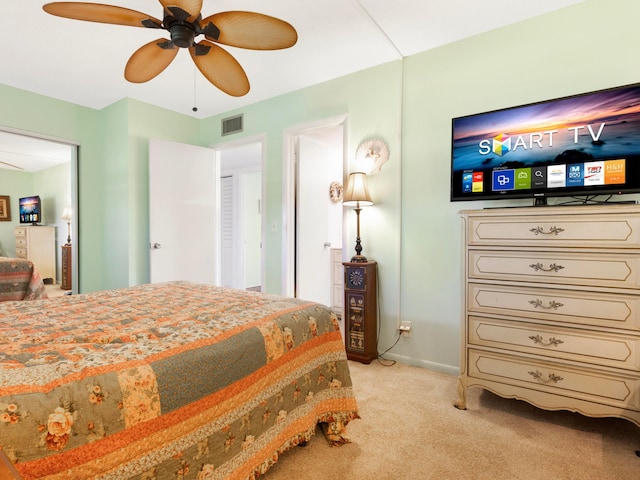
(168,381)
(20,280)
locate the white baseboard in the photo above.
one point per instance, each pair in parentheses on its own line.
(437,367)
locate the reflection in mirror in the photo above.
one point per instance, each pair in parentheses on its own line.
(44,168)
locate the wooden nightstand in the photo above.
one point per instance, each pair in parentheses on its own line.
(361,310)
(66,267)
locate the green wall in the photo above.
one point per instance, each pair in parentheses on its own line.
(582,48)
(413,231)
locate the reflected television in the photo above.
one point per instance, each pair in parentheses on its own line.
(30,209)
(583,146)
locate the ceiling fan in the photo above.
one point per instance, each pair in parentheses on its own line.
(11,165)
(183,20)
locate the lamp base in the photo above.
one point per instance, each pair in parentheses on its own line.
(358,258)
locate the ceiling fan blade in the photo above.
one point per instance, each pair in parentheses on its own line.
(96,12)
(11,165)
(220,68)
(250,30)
(150,60)
(192,7)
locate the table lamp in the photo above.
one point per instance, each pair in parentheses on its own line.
(357,195)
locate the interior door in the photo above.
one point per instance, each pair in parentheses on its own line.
(318,220)
(183,213)
(252,231)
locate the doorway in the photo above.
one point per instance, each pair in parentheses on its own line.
(241,214)
(47,167)
(219,200)
(315,159)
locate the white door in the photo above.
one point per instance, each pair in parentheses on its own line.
(183,213)
(318,220)
(252,182)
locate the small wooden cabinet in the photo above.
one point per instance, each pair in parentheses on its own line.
(38,244)
(361,310)
(66,267)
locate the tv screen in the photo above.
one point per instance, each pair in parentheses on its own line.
(30,209)
(582,145)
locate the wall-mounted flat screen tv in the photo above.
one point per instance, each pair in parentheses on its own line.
(583,145)
(30,209)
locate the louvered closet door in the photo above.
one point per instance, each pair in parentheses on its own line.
(228,254)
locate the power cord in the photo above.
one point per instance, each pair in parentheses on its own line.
(380,356)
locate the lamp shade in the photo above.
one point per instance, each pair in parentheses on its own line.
(357,193)
(66,214)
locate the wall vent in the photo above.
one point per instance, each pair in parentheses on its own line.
(232,125)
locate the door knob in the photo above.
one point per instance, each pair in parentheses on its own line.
(327,244)
(156,246)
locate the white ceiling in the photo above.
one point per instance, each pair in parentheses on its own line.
(22,153)
(83,62)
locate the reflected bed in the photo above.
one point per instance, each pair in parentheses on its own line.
(20,280)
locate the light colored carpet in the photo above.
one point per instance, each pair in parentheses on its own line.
(410,430)
(54,290)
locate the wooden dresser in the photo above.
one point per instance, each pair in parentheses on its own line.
(552,307)
(38,244)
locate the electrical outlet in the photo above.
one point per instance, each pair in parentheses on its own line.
(405,328)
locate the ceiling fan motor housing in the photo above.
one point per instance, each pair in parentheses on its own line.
(182,35)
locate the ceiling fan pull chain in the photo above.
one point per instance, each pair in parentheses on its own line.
(195,104)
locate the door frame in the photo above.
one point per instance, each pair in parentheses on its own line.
(219,149)
(74,187)
(290,142)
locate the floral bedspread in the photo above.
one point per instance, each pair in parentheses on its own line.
(20,280)
(167,381)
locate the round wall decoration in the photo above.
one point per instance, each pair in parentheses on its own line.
(375,152)
(335,192)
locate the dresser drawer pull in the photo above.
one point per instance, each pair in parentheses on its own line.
(552,304)
(553,341)
(552,267)
(552,230)
(537,375)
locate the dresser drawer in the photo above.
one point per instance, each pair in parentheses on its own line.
(21,253)
(618,389)
(578,308)
(21,242)
(566,230)
(602,270)
(620,351)
(20,232)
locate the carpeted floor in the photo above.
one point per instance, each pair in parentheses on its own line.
(410,430)
(55,291)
